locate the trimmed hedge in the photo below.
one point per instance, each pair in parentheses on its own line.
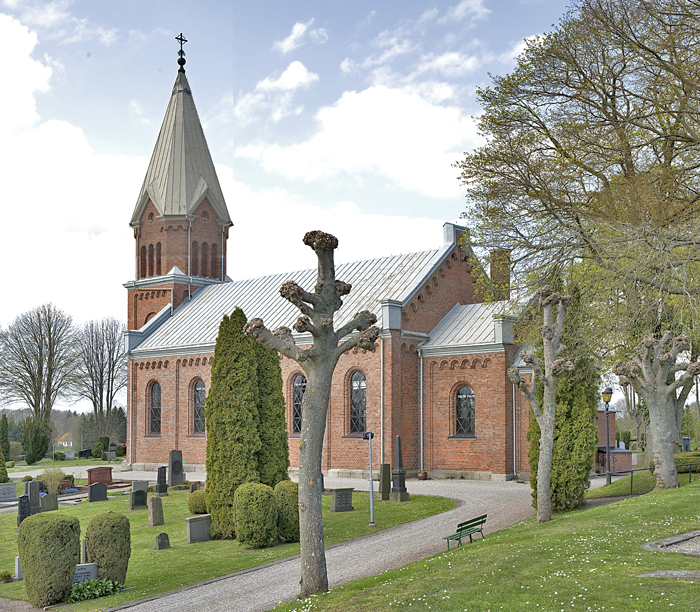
(104,440)
(16,451)
(49,547)
(3,469)
(255,513)
(9,464)
(59,456)
(97,449)
(683,459)
(287,500)
(197,503)
(109,545)
(120,451)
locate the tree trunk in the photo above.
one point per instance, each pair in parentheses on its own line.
(662,426)
(544,465)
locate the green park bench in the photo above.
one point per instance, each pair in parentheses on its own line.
(468,528)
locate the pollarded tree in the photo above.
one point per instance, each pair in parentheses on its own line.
(552,332)
(663,382)
(232,422)
(318,362)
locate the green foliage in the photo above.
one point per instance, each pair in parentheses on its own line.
(255,511)
(16,450)
(3,469)
(109,545)
(97,449)
(92,589)
(104,456)
(104,440)
(273,457)
(5,576)
(36,434)
(27,478)
(5,437)
(575,438)
(49,546)
(197,502)
(51,477)
(9,464)
(683,459)
(59,456)
(231,413)
(690,424)
(120,451)
(287,500)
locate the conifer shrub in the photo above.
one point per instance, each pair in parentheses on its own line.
(4,437)
(59,456)
(27,478)
(97,449)
(36,434)
(287,500)
(120,451)
(16,451)
(108,539)
(49,545)
(104,440)
(197,503)
(9,464)
(255,511)
(104,456)
(3,469)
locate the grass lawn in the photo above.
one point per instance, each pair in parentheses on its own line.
(643,482)
(581,560)
(152,572)
(21,466)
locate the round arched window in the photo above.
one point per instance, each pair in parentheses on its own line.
(198,403)
(464,412)
(358,403)
(298,388)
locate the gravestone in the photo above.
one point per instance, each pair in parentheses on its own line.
(162,485)
(85,571)
(398,486)
(70,454)
(8,492)
(139,485)
(138,500)
(83,548)
(175,475)
(198,528)
(342,500)
(18,569)
(112,455)
(48,503)
(384,481)
(86,453)
(23,509)
(194,487)
(31,490)
(97,492)
(155,512)
(101,474)
(162,540)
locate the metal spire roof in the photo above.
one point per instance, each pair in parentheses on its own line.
(181,172)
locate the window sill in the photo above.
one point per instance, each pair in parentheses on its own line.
(197,435)
(353,436)
(462,437)
(152,436)
(294,435)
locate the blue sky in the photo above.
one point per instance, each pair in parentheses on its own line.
(340,116)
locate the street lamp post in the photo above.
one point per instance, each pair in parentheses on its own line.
(368,435)
(607,394)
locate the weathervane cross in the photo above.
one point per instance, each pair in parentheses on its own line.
(181,61)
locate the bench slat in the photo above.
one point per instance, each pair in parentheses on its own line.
(467,528)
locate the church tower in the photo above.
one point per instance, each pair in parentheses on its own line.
(180,221)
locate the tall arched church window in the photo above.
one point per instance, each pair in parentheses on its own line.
(358,403)
(142,263)
(215,261)
(205,260)
(150,260)
(195,259)
(298,388)
(464,412)
(154,409)
(158,273)
(198,403)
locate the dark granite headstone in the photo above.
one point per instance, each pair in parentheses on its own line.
(48,503)
(194,487)
(32,490)
(23,509)
(83,548)
(198,528)
(86,453)
(97,491)
(8,492)
(139,485)
(175,472)
(138,500)
(342,500)
(162,541)
(398,486)
(162,485)
(384,481)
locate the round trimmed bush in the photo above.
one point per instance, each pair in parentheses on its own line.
(287,500)
(9,464)
(27,478)
(120,451)
(255,513)
(59,456)
(104,456)
(109,545)
(49,545)
(97,449)
(197,503)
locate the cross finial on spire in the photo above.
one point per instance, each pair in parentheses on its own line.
(181,60)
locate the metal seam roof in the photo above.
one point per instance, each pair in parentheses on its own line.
(465,325)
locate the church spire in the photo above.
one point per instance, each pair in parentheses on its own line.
(181,61)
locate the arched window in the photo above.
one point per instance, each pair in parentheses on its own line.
(205,260)
(198,406)
(195,259)
(464,412)
(215,261)
(157,258)
(358,403)
(298,388)
(150,260)
(154,409)
(142,263)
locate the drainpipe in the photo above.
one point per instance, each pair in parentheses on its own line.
(132,443)
(420,355)
(515,469)
(381,399)
(189,260)
(136,258)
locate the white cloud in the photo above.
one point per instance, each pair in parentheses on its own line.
(295,76)
(473,10)
(450,64)
(393,49)
(296,38)
(510,56)
(382,132)
(136,113)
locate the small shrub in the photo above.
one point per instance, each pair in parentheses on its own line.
(5,576)
(16,451)
(197,503)
(9,464)
(92,589)
(51,477)
(27,478)
(59,456)
(49,546)
(120,451)
(69,477)
(255,513)
(287,500)
(109,545)
(104,456)
(97,449)
(185,486)
(104,440)
(683,459)
(3,469)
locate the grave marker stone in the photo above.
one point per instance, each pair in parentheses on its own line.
(85,571)
(48,503)
(18,569)
(31,490)
(384,481)
(23,509)
(8,492)
(138,500)
(162,540)
(139,485)
(175,475)
(162,485)
(83,548)
(97,492)
(342,500)
(70,454)
(101,474)
(198,528)
(155,512)
(398,487)
(194,487)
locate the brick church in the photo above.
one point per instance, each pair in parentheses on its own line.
(437,377)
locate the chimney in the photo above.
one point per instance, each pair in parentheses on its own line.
(500,273)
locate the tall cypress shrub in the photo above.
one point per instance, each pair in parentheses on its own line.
(232,418)
(4,437)
(273,458)
(575,437)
